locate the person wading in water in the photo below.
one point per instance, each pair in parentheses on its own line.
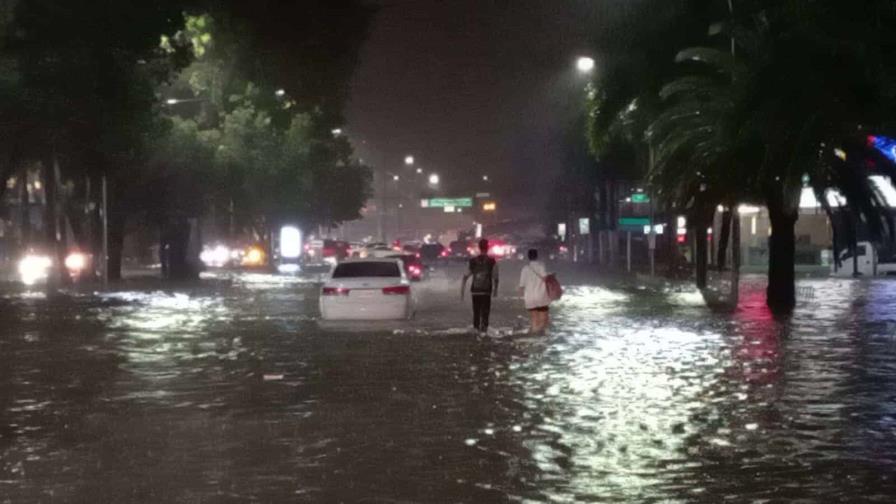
(535,293)
(484,271)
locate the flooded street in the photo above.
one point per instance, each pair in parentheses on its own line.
(232,391)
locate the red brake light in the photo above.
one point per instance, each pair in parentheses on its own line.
(399,290)
(335,291)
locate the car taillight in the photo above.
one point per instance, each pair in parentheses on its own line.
(335,291)
(414,270)
(399,290)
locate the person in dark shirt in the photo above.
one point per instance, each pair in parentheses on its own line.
(484,272)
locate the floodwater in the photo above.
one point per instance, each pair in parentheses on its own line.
(233,392)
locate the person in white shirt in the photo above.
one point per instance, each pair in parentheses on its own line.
(535,293)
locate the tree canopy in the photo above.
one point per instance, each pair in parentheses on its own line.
(185,104)
(780,95)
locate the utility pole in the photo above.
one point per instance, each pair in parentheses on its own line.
(381,213)
(651,236)
(232,228)
(105,265)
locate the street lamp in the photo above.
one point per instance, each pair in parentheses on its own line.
(280,93)
(434,179)
(485,178)
(175,101)
(396,178)
(585,64)
(419,170)
(409,160)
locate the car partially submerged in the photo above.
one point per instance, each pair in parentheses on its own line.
(367,289)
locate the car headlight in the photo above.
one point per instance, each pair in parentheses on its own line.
(33,268)
(76,262)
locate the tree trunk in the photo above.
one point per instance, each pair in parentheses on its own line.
(116,242)
(700,252)
(672,244)
(735,259)
(781,292)
(612,233)
(24,210)
(724,238)
(58,275)
(175,245)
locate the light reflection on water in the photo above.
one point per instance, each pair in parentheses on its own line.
(233,392)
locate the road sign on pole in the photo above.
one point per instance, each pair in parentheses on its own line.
(446,202)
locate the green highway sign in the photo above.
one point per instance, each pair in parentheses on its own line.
(447,202)
(640,198)
(636,222)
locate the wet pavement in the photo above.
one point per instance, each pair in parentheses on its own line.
(232,391)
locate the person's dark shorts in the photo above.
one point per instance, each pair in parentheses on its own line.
(540,309)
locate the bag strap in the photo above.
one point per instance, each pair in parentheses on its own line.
(535,272)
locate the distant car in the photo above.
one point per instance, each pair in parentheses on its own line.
(337,249)
(432,251)
(461,248)
(367,289)
(413,266)
(356,250)
(366,250)
(411,248)
(868,262)
(379,250)
(500,249)
(326,251)
(547,248)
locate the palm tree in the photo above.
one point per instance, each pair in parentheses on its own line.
(700,160)
(793,105)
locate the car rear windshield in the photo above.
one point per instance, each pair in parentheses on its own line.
(366,269)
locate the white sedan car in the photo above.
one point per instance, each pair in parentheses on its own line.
(367,289)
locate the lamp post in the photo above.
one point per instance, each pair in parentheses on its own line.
(585,66)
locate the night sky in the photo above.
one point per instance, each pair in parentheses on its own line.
(472,87)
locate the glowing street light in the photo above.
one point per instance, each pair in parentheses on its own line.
(396,178)
(175,101)
(336,131)
(485,178)
(419,170)
(409,160)
(280,93)
(585,64)
(434,179)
